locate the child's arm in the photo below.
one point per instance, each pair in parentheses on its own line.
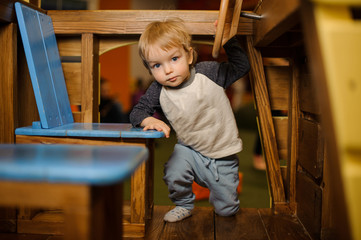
(237,65)
(226,73)
(141,115)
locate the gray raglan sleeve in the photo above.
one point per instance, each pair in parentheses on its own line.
(148,104)
(226,73)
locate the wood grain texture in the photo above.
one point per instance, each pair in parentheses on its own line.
(277,18)
(156,225)
(328,201)
(278,83)
(138,195)
(221,29)
(281,131)
(72,75)
(41,194)
(293,125)
(69,45)
(246,224)
(8,76)
(90,78)
(190,228)
(308,100)
(149,191)
(310,155)
(40,222)
(267,130)
(127,22)
(309,204)
(282,226)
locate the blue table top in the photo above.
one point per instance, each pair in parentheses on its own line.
(108,130)
(94,165)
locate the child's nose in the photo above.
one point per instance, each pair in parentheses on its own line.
(168,68)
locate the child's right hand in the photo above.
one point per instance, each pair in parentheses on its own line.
(156,124)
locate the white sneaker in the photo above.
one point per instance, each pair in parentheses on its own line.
(177,214)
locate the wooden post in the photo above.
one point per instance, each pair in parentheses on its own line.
(293,116)
(267,132)
(8,58)
(90,78)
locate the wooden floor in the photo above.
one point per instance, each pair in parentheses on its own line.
(249,223)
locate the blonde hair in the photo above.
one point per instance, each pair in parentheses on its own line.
(166,35)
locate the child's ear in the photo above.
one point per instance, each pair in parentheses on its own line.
(190,56)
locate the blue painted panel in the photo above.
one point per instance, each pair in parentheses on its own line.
(106,130)
(93,130)
(139,133)
(56,70)
(34,49)
(30,131)
(123,130)
(97,165)
(40,67)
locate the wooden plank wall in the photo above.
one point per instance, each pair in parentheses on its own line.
(311,183)
(307,182)
(300,141)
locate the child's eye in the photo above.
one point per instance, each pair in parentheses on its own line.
(174,59)
(157,65)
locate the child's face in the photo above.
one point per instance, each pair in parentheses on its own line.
(170,68)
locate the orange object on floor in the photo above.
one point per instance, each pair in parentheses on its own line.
(203,193)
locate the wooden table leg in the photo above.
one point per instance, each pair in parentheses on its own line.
(138,191)
(98,216)
(142,189)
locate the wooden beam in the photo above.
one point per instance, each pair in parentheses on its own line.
(277,18)
(7,13)
(134,21)
(267,130)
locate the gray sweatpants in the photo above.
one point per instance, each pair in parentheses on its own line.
(220,176)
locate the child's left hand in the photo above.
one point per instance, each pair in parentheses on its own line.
(156,124)
(225,36)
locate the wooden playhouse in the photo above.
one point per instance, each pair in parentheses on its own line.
(306,111)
